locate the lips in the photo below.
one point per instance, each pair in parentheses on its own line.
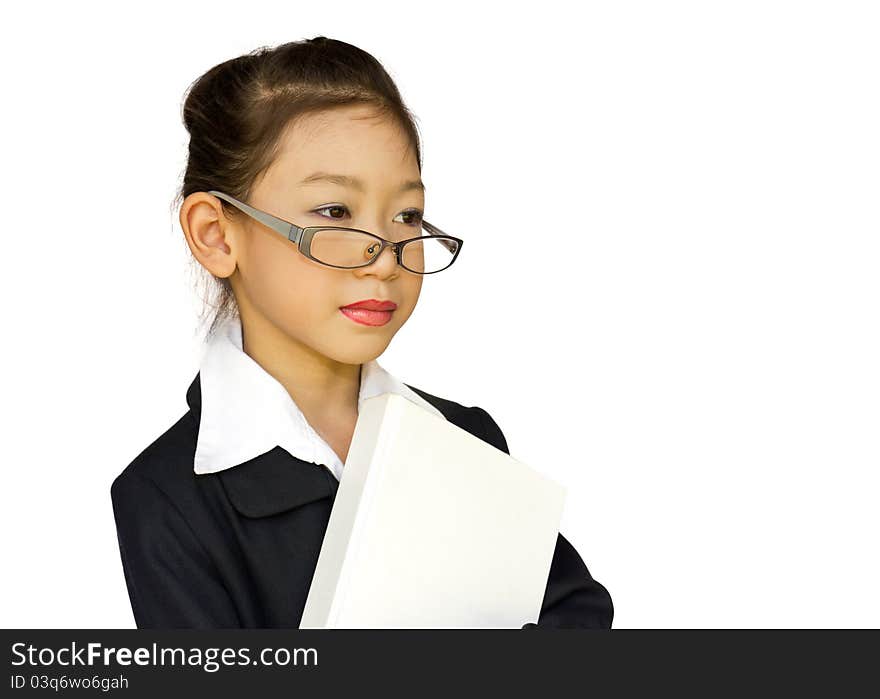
(373,305)
(369,312)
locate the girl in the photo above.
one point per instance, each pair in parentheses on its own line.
(304,166)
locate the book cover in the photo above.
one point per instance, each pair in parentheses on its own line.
(432,528)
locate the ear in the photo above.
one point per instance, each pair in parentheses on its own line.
(209,234)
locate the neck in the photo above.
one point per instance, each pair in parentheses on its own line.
(320,386)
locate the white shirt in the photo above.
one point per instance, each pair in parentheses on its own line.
(246,411)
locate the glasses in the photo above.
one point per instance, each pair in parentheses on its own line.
(350,248)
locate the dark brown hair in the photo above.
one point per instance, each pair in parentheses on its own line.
(237,111)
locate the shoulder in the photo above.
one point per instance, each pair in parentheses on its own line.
(164,468)
(472,418)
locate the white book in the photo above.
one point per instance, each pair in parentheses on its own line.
(432,528)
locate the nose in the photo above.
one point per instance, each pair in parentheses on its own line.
(384,265)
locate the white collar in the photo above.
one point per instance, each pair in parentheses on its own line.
(246,412)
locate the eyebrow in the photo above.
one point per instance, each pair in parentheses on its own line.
(355,183)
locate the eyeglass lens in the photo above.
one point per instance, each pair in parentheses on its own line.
(344,248)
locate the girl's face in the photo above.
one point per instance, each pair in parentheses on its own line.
(276,286)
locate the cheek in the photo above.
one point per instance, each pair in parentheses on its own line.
(289,290)
(411,287)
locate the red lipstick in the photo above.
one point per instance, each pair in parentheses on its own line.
(369,311)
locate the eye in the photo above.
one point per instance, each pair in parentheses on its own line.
(414,220)
(336,207)
(417,217)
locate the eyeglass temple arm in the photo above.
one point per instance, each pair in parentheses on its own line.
(450,245)
(293,232)
(288,230)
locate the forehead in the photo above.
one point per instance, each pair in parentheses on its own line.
(352,140)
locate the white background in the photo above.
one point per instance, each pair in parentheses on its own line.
(668,298)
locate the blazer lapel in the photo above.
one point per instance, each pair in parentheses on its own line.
(275,482)
(270,483)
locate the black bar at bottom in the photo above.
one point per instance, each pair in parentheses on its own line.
(265,663)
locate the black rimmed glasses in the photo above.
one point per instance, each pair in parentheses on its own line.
(350,248)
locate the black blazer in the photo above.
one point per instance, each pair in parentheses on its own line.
(238,548)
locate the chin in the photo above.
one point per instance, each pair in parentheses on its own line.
(353,349)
